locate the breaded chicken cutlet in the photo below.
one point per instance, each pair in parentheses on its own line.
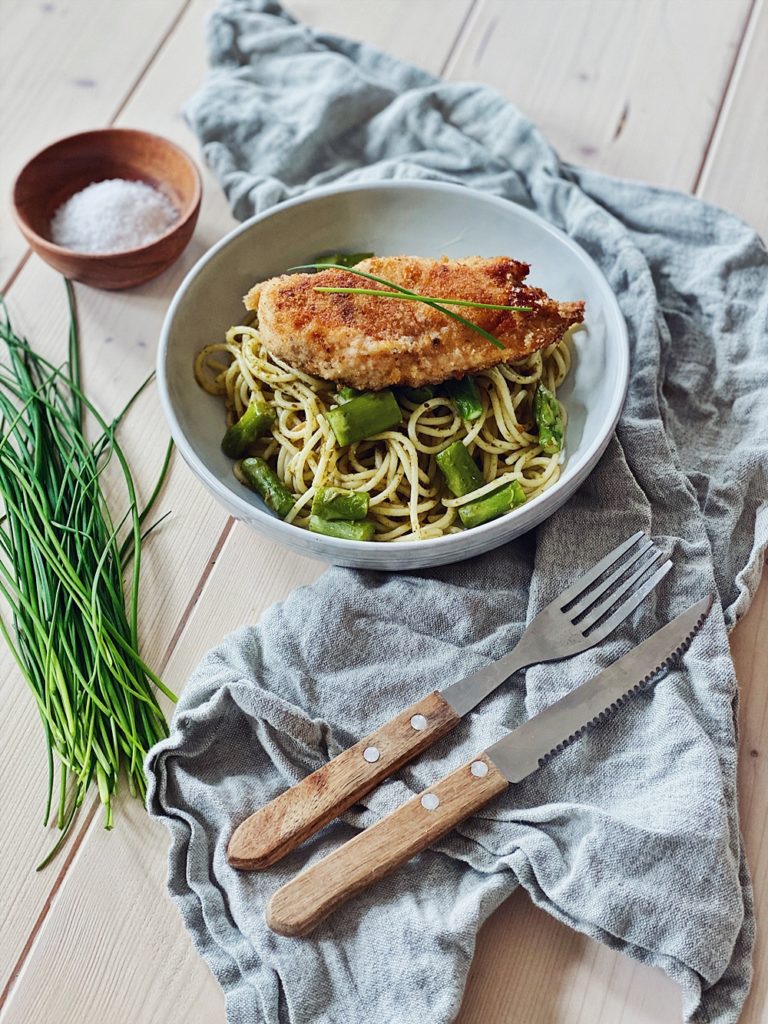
(372,343)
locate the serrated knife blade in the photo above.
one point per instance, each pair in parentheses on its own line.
(531,744)
(303,902)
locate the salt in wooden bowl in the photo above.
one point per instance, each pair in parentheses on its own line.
(71,164)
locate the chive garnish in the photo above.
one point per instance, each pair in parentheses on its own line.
(414,296)
(421,298)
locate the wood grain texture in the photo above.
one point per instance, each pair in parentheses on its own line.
(614,86)
(118,335)
(67,65)
(529,968)
(135,961)
(423,33)
(749,646)
(283,824)
(37,908)
(300,905)
(735,175)
(735,172)
(132,957)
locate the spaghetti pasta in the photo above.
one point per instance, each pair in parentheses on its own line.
(397,468)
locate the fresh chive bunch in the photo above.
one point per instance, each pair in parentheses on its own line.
(63,567)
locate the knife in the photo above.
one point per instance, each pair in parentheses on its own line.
(558,631)
(318,890)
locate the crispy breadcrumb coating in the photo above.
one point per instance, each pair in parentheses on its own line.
(372,343)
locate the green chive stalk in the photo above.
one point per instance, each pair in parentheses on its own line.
(64,561)
(418,297)
(410,296)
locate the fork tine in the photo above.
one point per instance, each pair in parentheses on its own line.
(605,605)
(630,604)
(584,581)
(591,596)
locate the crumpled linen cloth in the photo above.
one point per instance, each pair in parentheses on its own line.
(631,835)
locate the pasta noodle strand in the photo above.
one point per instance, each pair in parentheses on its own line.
(408,499)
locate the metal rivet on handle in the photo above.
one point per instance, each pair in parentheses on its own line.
(479,769)
(371,754)
(419,723)
(430,801)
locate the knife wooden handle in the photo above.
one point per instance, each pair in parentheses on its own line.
(303,902)
(299,812)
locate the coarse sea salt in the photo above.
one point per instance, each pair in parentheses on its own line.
(112,216)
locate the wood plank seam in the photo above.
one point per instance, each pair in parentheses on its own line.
(721,115)
(152,59)
(72,849)
(459,34)
(77,840)
(741,51)
(90,812)
(16,271)
(192,603)
(189,609)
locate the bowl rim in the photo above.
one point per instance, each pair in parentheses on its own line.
(246,510)
(191,208)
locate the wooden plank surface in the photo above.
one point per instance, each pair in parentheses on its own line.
(749,645)
(578,981)
(121,330)
(66,67)
(612,85)
(127,323)
(136,962)
(529,967)
(163,979)
(735,175)
(423,33)
(119,336)
(735,172)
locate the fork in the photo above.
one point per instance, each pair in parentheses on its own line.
(579,618)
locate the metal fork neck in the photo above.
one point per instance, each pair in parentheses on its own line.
(467,693)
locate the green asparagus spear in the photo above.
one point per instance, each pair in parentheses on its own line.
(260,478)
(546,411)
(346,393)
(255,421)
(345,259)
(346,529)
(364,416)
(459,469)
(466,396)
(492,505)
(337,503)
(416,395)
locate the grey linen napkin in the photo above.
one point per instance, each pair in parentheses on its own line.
(631,835)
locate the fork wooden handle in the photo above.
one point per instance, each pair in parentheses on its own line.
(299,812)
(303,902)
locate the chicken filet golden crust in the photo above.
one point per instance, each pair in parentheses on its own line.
(445,421)
(373,343)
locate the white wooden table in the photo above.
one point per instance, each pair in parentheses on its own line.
(670,92)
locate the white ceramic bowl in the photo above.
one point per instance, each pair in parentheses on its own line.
(414,217)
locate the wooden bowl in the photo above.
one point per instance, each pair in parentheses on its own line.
(70,164)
